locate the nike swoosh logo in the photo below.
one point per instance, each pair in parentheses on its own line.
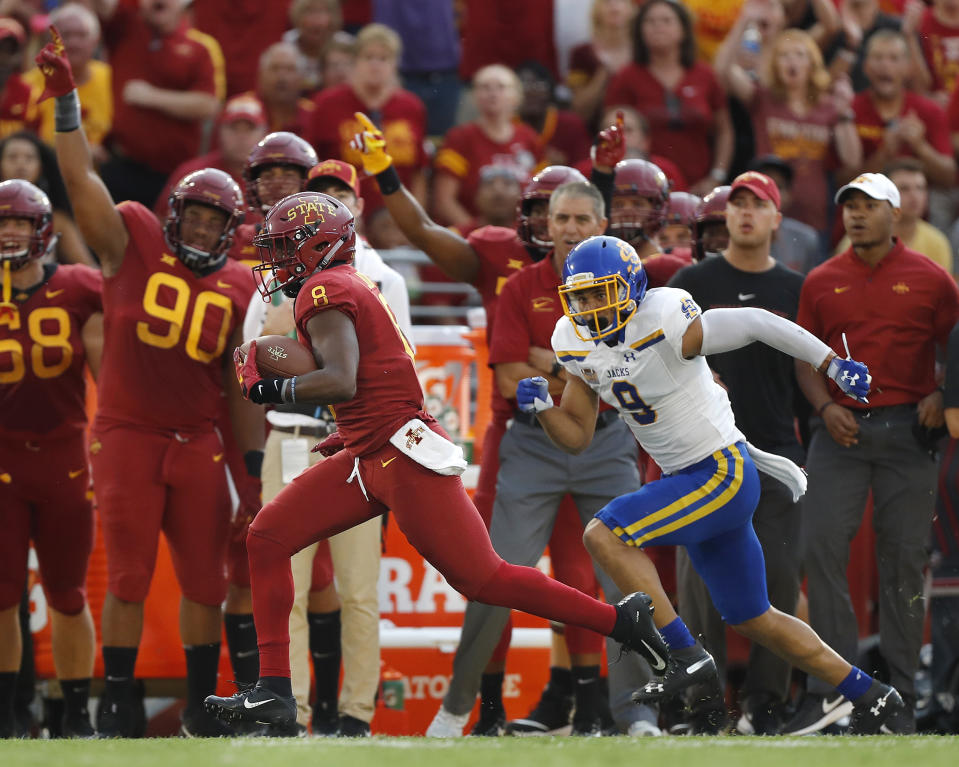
(218,457)
(247,704)
(54,293)
(843,289)
(746,296)
(246,653)
(828,705)
(697,665)
(75,474)
(658,663)
(224,285)
(384,464)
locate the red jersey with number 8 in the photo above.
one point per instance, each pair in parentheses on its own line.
(165,332)
(42,387)
(388,391)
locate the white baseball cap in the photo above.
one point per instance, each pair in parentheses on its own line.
(874,185)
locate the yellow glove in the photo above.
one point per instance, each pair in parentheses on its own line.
(371,145)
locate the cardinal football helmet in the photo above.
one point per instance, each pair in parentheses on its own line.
(280,148)
(21,199)
(215,189)
(711,211)
(541,187)
(603,284)
(638,178)
(302,234)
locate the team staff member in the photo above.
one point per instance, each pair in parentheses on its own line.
(173,304)
(51,325)
(894,306)
(761,386)
(394,456)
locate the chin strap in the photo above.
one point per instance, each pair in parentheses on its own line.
(8,309)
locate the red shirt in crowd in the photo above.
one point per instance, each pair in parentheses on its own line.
(43,390)
(18,107)
(681,122)
(564,139)
(163,325)
(244,29)
(402,120)
(507,32)
(467,150)
(186,60)
(940,49)
(871,126)
(893,315)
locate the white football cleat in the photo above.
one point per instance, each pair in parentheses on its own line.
(447,725)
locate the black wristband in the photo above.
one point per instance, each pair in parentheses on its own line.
(66,112)
(253,459)
(556,369)
(388,181)
(269,391)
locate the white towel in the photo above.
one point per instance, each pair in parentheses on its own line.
(780,468)
(417,440)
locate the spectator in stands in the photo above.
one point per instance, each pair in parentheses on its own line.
(861,19)
(506,32)
(373,88)
(893,306)
(80,30)
(795,245)
(681,97)
(167,80)
(23,155)
(337,61)
(18,101)
(431,55)
(278,88)
(315,24)
(819,18)
(893,121)
(797,114)
(933,32)
(494,138)
(241,125)
(563,137)
(244,29)
(917,234)
(609,50)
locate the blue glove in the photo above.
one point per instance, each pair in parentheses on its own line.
(532,395)
(850,376)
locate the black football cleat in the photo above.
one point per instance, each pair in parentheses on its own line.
(870,712)
(637,611)
(686,667)
(491,722)
(256,704)
(550,716)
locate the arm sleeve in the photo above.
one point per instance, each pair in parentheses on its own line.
(728,329)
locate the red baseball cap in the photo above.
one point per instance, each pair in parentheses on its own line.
(338,169)
(11,28)
(244,107)
(759,184)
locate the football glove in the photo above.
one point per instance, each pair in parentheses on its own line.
(55,67)
(371,145)
(850,376)
(256,388)
(331,445)
(610,145)
(532,395)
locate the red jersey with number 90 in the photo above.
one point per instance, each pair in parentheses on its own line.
(388,391)
(165,332)
(42,388)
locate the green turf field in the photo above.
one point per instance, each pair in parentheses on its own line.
(917,751)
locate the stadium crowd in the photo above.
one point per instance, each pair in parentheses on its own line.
(143,144)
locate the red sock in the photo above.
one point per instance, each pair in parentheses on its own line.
(272,583)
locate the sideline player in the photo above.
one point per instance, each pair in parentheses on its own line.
(395,456)
(173,304)
(51,324)
(644,353)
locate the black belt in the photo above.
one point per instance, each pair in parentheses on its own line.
(884,409)
(604,419)
(322,431)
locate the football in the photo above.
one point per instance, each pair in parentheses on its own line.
(281,357)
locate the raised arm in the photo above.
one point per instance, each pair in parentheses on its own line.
(732,76)
(98,220)
(448,250)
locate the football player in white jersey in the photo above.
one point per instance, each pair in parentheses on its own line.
(644,353)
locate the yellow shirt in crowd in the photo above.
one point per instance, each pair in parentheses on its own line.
(96,96)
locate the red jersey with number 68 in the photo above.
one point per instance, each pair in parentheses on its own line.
(165,332)
(388,391)
(42,388)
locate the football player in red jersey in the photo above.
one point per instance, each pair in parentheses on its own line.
(173,305)
(395,457)
(676,236)
(51,325)
(710,235)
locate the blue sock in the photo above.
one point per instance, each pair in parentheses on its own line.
(676,635)
(855,684)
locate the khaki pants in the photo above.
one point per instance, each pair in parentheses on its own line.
(356,563)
